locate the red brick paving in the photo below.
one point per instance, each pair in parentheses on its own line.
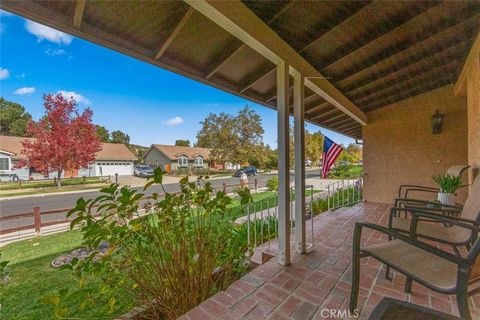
(321,279)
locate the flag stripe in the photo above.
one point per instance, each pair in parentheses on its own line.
(331,151)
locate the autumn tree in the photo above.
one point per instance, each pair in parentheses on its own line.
(65,139)
(102,133)
(351,154)
(234,139)
(13,118)
(120,137)
(182,143)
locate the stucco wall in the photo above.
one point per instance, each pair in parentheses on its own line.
(473,98)
(399,147)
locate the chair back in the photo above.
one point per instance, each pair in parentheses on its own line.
(471,209)
(457,170)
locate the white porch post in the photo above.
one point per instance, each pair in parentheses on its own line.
(299,139)
(283,164)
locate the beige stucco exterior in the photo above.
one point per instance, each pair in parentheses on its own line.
(473,103)
(399,147)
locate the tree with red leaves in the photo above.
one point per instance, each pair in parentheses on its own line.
(64,139)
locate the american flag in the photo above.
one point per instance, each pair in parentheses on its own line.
(331,151)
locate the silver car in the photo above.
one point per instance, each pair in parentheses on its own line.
(142,171)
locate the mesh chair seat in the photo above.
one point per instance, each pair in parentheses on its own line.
(453,234)
(421,264)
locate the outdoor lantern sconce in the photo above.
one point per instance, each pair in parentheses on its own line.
(437,121)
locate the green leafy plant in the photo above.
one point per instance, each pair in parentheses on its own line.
(272,184)
(181,250)
(448,183)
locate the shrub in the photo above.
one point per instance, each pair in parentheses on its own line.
(272,184)
(185,249)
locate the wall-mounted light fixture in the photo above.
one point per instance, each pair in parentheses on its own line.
(437,121)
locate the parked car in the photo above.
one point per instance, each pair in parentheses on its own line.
(308,163)
(142,171)
(249,171)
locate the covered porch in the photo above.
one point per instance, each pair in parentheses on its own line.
(318,282)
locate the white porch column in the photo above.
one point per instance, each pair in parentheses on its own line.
(299,139)
(283,164)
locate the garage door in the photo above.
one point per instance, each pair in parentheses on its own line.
(124,168)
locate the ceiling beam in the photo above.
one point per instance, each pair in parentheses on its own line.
(328,115)
(235,49)
(358,131)
(460,85)
(175,33)
(256,79)
(424,87)
(343,125)
(78,15)
(319,108)
(388,33)
(328,120)
(405,72)
(421,77)
(411,55)
(333,26)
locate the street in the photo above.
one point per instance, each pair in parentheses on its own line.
(60,201)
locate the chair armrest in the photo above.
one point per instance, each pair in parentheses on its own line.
(411,187)
(439,207)
(412,241)
(458,221)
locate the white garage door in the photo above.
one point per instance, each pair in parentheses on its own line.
(122,168)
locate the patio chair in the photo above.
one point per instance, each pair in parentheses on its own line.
(428,265)
(405,189)
(444,233)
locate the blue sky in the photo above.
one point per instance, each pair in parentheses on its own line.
(152,105)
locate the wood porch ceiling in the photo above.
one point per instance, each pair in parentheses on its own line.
(376,53)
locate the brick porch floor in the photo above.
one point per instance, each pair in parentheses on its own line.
(321,279)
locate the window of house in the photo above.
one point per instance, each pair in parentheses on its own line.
(182,161)
(4,164)
(198,161)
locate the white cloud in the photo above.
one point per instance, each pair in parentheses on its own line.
(4,73)
(76,96)
(45,33)
(174,121)
(55,52)
(21,75)
(25,90)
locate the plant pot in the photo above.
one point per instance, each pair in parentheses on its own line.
(446,198)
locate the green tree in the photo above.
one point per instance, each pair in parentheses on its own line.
(313,146)
(120,137)
(13,118)
(103,133)
(352,154)
(235,139)
(182,143)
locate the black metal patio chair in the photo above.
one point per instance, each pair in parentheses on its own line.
(428,265)
(406,189)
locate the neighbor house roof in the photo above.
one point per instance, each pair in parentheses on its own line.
(110,151)
(115,151)
(174,152)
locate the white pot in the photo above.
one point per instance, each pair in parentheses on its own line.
(446,198)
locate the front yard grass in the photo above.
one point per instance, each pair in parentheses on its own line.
(50,183)
(32,277)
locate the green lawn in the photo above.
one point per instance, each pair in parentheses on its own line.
(32,277)
(50,183)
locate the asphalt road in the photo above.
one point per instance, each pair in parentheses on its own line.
(60,201)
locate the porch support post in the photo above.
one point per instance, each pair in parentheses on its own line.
(283,163)
(299,139)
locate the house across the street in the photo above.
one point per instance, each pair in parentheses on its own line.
(176,157)
(113,158)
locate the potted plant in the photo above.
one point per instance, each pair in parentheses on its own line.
(448,184)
